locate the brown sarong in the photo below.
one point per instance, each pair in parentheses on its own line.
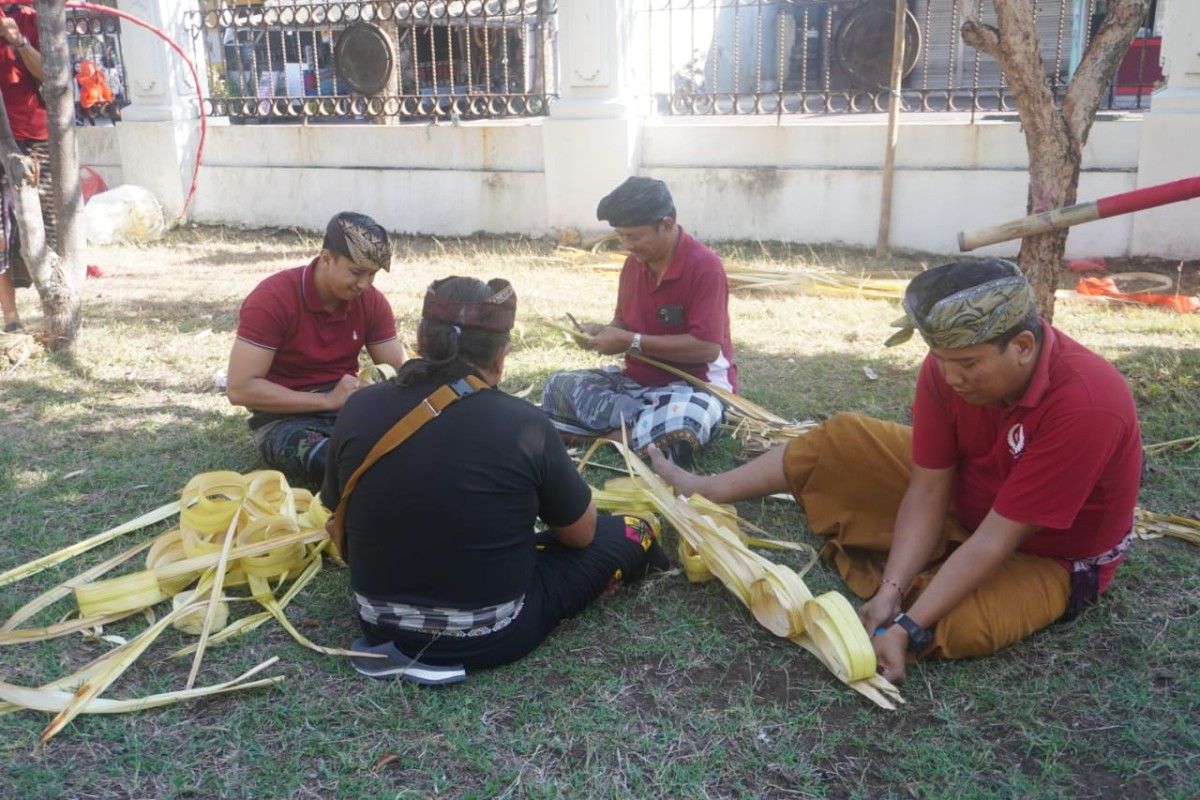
(849,475)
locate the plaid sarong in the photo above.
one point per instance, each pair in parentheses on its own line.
(592,402)
(11,255)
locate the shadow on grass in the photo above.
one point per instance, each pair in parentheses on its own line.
(185,315)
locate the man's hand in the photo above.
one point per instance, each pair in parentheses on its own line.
(610,340)
(891,647)
(348,385)
(880,610)
(590,328)
(9,30)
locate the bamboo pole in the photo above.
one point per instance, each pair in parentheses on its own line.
(889,161)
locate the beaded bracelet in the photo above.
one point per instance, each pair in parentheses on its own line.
(891,583)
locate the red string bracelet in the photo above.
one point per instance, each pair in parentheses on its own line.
(891,583)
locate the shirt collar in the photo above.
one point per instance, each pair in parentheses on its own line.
(1039,383)
(675,268)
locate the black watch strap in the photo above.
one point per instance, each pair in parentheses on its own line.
(918,637)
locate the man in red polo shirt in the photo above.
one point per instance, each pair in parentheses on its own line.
(672,306)
(20,77)
(300,331)
(1006,507)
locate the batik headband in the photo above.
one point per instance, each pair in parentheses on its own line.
(495,313)
(969,316)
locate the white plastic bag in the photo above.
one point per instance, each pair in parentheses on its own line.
(125,214)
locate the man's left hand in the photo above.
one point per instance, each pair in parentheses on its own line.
(891,647)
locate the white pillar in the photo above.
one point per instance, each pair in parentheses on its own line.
(160,129)
(591,138)
(1170,131)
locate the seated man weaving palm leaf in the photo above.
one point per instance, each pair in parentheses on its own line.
(672,306)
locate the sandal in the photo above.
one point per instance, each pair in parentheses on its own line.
(14,327)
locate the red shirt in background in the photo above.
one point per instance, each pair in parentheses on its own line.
(313,347)
(692,297)
(1067,456)
(26,112)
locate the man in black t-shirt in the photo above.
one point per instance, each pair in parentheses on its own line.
(444,562)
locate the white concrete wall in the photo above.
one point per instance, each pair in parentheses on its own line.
(792,179)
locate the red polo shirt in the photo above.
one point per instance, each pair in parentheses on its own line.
(692,297)
(313,347)
(26,113)
(1067,456)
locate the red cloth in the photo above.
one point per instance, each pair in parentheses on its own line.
(313,347)
(1107,287)
(1067,456)
(26,113)
(695,280)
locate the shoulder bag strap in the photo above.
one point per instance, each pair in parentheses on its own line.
(426,410)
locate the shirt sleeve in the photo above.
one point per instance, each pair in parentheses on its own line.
(935,443)
(380,319)
(264,320)
(563,495)
(708,304)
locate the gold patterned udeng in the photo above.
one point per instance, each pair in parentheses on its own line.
(969,317)
(366,249)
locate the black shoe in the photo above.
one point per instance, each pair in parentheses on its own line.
(680,453)
(14,327)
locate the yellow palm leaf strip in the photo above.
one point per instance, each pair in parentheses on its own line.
(277,562)
(377,373)
(580,335)
(263,594)
(198,564)
(877,689)
(49,598)
(37,565)
(268,494)
(1185,444)
(694,568)
(125,593)
(54,699)
(311,512)
(217,587)
(777,600)
(121,659)
(167,548)
(210,500)
(24,635)
(830,621)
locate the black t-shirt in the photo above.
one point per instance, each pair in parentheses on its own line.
(446,518)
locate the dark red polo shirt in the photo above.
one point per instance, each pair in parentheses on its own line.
(313,347)
(692,297)
(1067,456)
(26,114)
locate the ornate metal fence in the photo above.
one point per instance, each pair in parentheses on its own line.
(385,61)
(834,56)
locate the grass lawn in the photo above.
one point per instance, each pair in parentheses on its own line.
(667,689)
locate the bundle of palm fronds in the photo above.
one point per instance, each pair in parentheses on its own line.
(234,530)
(1185,444)
(1150,525)
(712,543)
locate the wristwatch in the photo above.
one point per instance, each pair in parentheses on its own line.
(636,346)
(918,637)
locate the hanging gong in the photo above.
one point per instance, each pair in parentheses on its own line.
(363,58)
(863,44)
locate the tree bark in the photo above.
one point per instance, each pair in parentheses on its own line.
(57,273)
(1054,138)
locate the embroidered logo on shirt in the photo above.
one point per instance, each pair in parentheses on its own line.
(1016,440)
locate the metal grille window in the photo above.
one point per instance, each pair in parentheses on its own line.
(300,60)
(95,37)
(718,57)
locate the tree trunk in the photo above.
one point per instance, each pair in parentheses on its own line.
(62,293)
(1054,138)
(57,273)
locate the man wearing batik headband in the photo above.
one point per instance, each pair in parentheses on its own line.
(1008,504)
(444,561)
(672,306)
(299,335)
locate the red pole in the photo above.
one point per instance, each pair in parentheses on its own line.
(1112,206)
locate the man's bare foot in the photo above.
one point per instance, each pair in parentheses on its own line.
(685,483)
